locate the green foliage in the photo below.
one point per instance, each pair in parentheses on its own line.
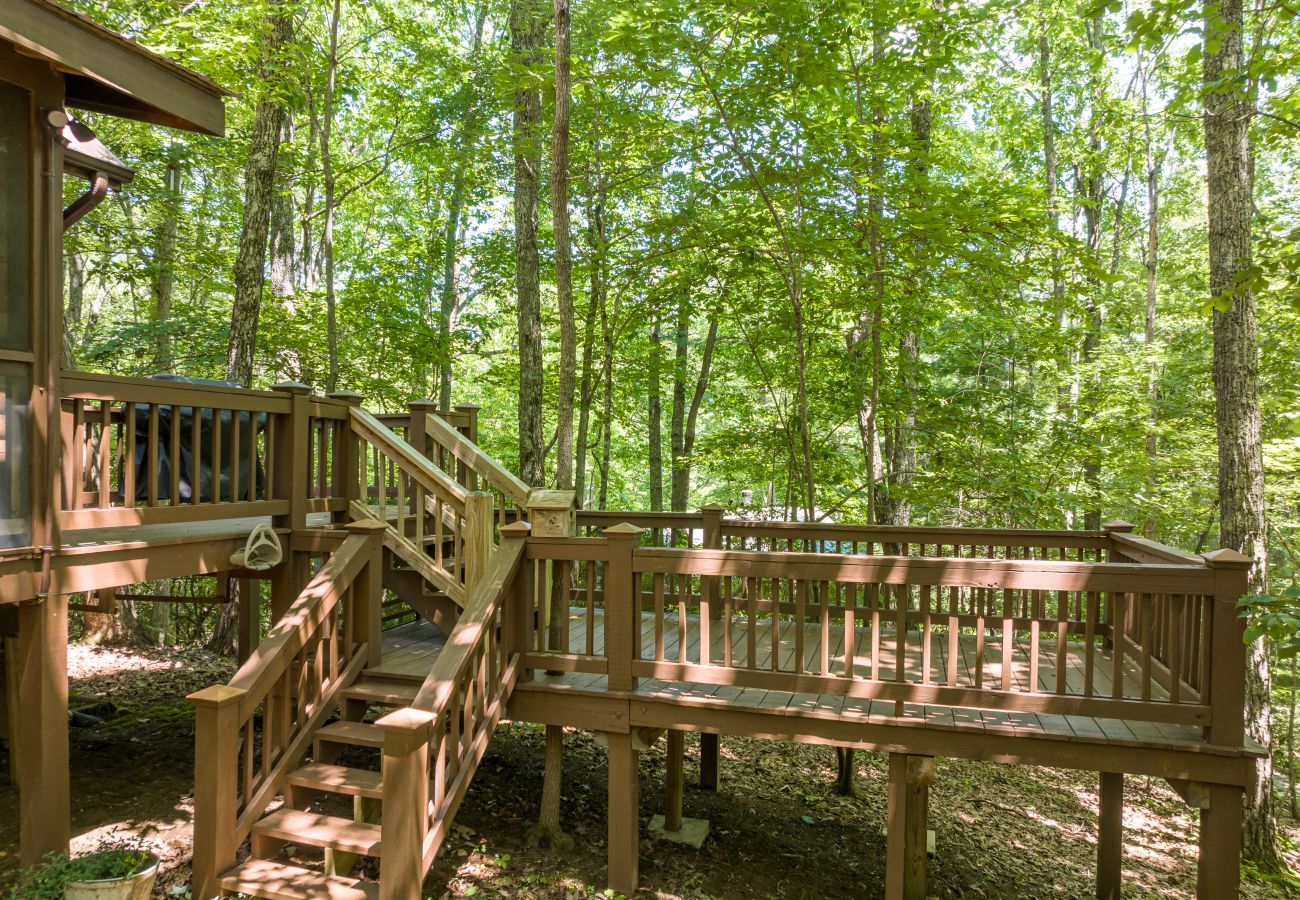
(114,859)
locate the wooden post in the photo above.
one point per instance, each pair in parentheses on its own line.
(345,476)
(1227,664)
(624,812)
(711,540)
(418,436)
(287,581)
(407,733)
(292,455)
(1218,864)
(622,607)
(553,514)
(1110,835)
(468,477)
(368,592)
(673,780)
(42,740)
(478,537)
(710,754)
(216,764)
(910,778)
(250,617)
(517,630)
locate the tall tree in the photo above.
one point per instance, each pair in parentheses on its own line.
(1229,172)
(164,274)
(527,27)
(259,195)
(563,261)
(328,183)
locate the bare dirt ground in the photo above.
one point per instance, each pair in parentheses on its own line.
(778,828)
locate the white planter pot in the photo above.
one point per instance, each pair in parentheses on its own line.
(133,887)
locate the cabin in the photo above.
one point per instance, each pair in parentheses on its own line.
(420,594)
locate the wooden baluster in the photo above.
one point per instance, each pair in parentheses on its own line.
(657,582)
(235,457)
(801,618)
(1119,600)
(590,592)
(751,616)
(1176,604)
(926,624)
(1062,611)
(216,455)
(775,633)
(850,630)
(105,450)
(727,620)
(1146,626)
(954,632)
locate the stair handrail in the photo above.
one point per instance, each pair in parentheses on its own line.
(289,686)
(483,465)
(438,741)
(429,476)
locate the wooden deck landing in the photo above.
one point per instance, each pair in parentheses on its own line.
(409,652)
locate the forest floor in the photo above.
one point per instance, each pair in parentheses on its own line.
(778,827)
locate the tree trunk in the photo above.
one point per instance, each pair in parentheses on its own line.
(607,397)
(76,281)
(164,275)
(563,261)
(1094,195)
(1236,376)
(655,412)
(259,194)
(451,236)
(686,418)
(1149,330)
(527,27)
(327,179)
(283,247)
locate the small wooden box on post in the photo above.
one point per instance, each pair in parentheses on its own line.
(345,477)
(554,514)
(216,785)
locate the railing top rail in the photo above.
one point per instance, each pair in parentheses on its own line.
(485,466)
(474,622)
(274,654)
(430,476)
(91,386)
(1141,549)
(1016,574)
(657,519)
(916,534)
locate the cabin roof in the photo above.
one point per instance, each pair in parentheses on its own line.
(110,73)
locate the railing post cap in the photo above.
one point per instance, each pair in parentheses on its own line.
(426,403)
(291,387)
(623,530)
(1228,557)
(467,407)
(713,507)
(1118,525)
(366,526)
(406,719)
(351,398)
(516,530)
(216,696)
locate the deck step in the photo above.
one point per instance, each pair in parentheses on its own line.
(277,881)
(382,693)
(338,780)
(317,830)
(358,734)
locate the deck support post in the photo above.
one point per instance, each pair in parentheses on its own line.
(1110,835)
(216,799)
(910,778)
(250,617)
(1218,865)
(42,739)
(624,810)
(711,539)
(407,733)
(710,751)
(674,781)
(289,466)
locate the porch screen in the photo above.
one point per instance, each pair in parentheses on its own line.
(15,315)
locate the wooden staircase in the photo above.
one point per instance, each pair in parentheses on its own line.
(301,822)
(293,737)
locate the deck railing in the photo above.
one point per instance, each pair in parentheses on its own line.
(1156,642)
(432,748)
(251,733)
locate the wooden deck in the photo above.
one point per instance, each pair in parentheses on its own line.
(409,652)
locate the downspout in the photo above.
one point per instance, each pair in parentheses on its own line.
(87,201)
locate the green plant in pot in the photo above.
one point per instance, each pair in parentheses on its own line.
(117,870)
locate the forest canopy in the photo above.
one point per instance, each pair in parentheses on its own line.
(934,262)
